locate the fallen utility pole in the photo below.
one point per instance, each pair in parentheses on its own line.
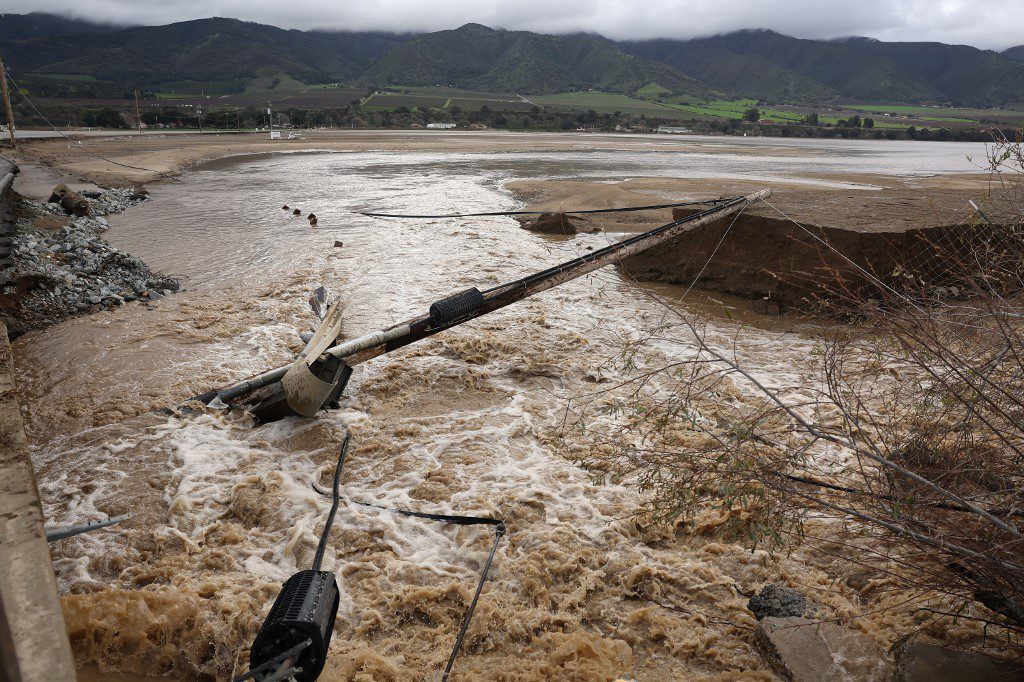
(318,376)
(7,103)
(138,116)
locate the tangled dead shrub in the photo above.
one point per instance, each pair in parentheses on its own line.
(904,454)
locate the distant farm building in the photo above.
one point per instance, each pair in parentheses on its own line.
(673,130)
(440,126)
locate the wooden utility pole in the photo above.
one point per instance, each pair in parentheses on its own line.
(7,102)
(138,116)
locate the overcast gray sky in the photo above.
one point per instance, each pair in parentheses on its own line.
(993,24)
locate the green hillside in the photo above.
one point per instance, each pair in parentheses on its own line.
(64,57)
(769,65)
(205,50)
(478,57)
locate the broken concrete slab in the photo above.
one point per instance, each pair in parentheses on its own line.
(804,650)
(924,662)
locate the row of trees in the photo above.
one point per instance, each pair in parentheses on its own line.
(753,115)
(65,114)
(854,121)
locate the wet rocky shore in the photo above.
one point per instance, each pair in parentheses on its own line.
(62,267)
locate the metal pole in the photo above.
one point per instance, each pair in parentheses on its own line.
(138,116)
(7,103)
(371,345)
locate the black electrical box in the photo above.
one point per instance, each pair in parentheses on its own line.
(304,610)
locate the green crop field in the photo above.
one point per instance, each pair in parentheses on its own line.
(943,114)
(66,77)
(443,98)
(652,91)
(732,109)
(386,101)
(494,104)
(605,103)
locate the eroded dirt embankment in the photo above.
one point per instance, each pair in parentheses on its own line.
(807,240)
(760,256)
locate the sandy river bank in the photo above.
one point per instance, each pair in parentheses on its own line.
(898,193)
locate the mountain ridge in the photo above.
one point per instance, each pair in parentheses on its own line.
(477,56)
(757,63)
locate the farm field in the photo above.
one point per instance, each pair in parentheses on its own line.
(733,109)
(937,113)
(605,103)
(443,98)
(283,94)
(652,101)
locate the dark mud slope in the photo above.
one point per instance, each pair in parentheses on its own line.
(761,256)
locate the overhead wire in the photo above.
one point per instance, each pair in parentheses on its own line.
(78,143)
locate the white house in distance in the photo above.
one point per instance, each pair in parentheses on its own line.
(440,126)
(673,130)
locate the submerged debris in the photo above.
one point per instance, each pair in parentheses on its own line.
(62,267)
(917,661)
(69,200)
(557,223)
(779,601)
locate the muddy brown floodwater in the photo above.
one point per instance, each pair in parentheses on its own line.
(467,422)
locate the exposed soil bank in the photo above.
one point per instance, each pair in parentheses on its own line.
(889,230)
(759,256)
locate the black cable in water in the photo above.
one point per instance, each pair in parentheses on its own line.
(458,520)
(499,530)
(336,496)
(296,634)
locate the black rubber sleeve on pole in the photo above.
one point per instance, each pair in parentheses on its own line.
(456,307)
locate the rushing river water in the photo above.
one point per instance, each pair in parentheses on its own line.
(466,422)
